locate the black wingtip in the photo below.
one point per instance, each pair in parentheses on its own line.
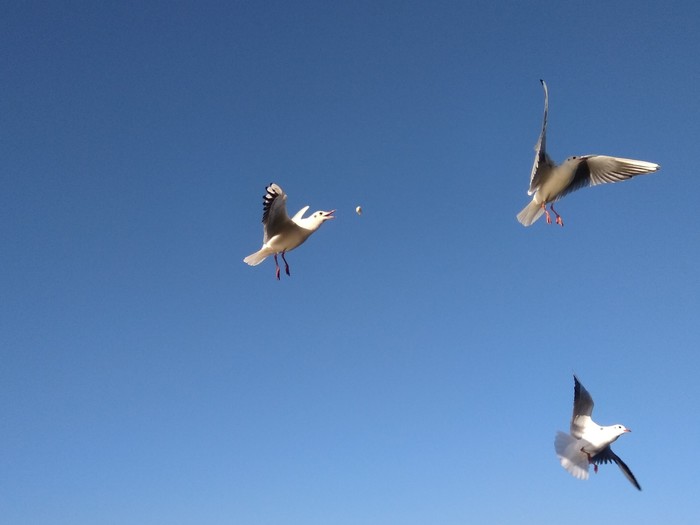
(625,469)
(268,199)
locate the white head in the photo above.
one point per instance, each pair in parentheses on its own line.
(616,431)
(313,222)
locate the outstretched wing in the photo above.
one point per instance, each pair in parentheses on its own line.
(608,456)
(583,408)
(543,164)
(298,215)
(274,211)
(601,169)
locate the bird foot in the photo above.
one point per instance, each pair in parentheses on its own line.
(559,221)
(277,267)
(595,465)
(286,264)
(549,219)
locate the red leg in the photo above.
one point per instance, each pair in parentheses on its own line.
(277,268)
(559,221)
(286,266)
(546,213)
(595,466)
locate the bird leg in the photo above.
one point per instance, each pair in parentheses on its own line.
(546,213)
(277,268)
(595,465)
(286,266)
(559,221)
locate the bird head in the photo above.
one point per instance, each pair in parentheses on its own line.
(313,222)
(618,430)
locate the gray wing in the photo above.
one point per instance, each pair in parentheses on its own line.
(542,164)
(608,456)
(583,408)
(601,169)
(274,211)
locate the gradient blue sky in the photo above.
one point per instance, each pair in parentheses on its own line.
(418,362)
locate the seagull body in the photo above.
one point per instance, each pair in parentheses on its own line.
(588,443)
(280,233)
(550,182)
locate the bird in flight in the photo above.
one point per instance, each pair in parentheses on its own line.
(550,182)
(280,233)
(589,443)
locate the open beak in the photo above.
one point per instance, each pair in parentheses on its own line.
(329,214)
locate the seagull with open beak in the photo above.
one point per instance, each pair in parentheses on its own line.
(280,233)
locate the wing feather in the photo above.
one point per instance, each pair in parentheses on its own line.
(275,216)
(583,408)
(542,164)
(593,170)
(608,456)
(298,215)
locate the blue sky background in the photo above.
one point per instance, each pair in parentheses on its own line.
(418,362)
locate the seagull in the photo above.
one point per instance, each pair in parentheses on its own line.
(280,233)
(549,182)
(589,442)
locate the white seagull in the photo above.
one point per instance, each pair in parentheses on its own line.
(549,182)
(280,233)
(589,442)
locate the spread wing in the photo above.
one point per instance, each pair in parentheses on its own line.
(274,211)
(608,456)
(298,215)
(583,408)
(601,169)
(543,164)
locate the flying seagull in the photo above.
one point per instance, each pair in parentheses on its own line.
(588,443)
(280,233)
(549,182)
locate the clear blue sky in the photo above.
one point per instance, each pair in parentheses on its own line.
(416,365)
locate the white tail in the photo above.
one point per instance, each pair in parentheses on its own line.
(570,455)
(530,213)
(256,258)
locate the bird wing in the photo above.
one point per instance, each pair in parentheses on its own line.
(275,217)
(608,456)
(583,408)
(601,169)
(298,215)
(542,164)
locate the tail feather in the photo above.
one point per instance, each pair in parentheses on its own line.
(256,258)
(570,456)
(530,213)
